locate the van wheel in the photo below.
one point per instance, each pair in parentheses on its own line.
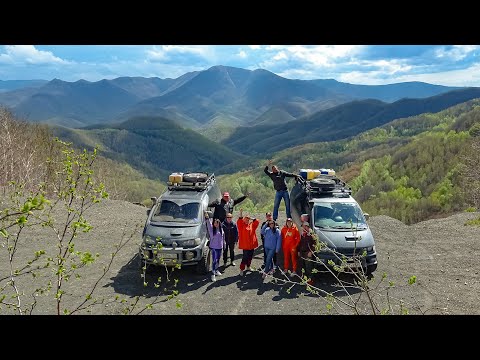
(371,269)
(203,267)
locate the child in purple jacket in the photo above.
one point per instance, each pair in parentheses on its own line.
(217,243)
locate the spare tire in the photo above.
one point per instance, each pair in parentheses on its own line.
(322,182)
(195,177)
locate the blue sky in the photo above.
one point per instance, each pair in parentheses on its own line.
(358,64)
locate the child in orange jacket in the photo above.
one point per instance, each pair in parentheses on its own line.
(290,241)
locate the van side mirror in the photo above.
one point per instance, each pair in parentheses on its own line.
(210,214)
(367,216)
(148,211)
(154,199)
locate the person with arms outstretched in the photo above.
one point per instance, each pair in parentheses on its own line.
(278,177)
(225,205)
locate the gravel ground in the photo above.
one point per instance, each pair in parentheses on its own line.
(441,253)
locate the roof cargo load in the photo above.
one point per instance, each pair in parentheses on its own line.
(190,181)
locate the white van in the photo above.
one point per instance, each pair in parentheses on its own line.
(337,220)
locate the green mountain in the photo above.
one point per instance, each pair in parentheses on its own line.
(154,146)
(194,99)
(339,122)
(82,101)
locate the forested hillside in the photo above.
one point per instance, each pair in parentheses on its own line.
(154,146)
(339,122)
(410,169)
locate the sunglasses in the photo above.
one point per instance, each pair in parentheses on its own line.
(229,217)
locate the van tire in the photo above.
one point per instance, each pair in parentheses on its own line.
(195,177)
(203,266)
(371,269)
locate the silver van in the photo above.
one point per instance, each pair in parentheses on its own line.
(337,220)
(175,231)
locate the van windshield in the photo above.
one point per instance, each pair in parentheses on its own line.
(169,211)
(338,215)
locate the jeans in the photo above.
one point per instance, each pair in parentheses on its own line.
(278,197)
(269,261)
(216,253)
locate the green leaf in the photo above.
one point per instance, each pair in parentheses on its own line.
(412,280)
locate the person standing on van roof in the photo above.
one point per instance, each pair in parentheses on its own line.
(217,243)
(225,205)
(231,238)
(278,178)
(247,239)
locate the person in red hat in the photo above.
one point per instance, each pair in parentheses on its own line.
(225,205)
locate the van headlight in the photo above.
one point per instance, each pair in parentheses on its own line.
(192,242)
(150,240)
(188,242)
(371,248)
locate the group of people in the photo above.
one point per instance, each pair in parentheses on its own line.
(297,245)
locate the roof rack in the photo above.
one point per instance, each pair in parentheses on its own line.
(326,186)
(192,186)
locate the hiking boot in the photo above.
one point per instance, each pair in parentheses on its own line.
(217,272)
(241,272)
(233,263)
(213,278)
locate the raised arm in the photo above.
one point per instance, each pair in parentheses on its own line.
(287,174)
(255,224)
(264,227)
(266,171)
(209,227)
(240,199)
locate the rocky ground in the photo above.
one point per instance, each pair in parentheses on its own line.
(441,253)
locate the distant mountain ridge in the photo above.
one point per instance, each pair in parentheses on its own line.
(197,99)
(9,85)
(339,122)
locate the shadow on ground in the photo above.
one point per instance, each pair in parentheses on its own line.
(129,282)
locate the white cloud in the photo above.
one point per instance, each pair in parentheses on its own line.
(255,47)
(313,55)
(28,54)
(165,52)
(280,56)
(457,52)
(242,54)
